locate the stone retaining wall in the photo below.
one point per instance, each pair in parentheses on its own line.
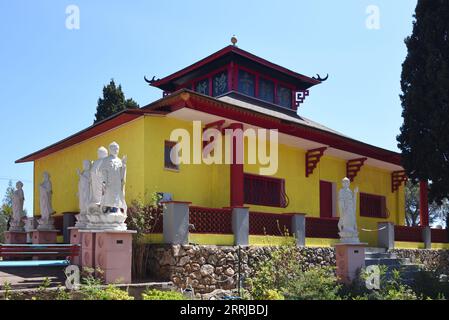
(435,260)
(207,268)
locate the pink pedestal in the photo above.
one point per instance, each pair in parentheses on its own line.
(113,254)
(110,251)
(15,237)
(44,237)
(87,248)
(75,238)
(350,259)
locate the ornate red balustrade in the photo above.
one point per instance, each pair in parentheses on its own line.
(440,235)
(411,234)
(271,224)
(322,227)
(210,220)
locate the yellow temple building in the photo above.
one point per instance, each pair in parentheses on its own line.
(233,89)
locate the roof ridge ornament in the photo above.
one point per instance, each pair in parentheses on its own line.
(234,40)
(150,82)
(321,79)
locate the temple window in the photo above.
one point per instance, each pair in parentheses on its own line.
(219,84)
(373,206)
(247,83)
(284,96)
(202,87)
(266,90)
(168,163)
(264,191)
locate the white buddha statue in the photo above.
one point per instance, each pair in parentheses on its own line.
(347,225)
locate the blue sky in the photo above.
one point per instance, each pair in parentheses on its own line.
(51,77)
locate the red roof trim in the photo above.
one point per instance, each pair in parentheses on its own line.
(240,52)
(96,129)
(189,99)
(219,108)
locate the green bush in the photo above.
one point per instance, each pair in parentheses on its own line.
(314,284)
(111,292)
(427,285)
(273,295)
(274,273)
(390,288)
(283,274)
(153,294)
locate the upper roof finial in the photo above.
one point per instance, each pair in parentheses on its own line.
(234,40)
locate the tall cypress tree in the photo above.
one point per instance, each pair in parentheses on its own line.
(424,137)
(113,101)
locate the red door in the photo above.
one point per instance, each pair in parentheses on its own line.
(325,199)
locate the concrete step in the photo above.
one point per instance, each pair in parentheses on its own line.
(383,261)
(380,255)
(375,250)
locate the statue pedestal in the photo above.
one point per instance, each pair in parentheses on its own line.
(110,251)
(44,236)
(350,260)
(15,237)
(75,238)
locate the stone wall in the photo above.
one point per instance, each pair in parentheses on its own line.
(207,268)
(435,260)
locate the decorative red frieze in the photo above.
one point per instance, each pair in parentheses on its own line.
(353,167)
(313,157)
(397,178)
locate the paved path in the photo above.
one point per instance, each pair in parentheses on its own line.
(31,277)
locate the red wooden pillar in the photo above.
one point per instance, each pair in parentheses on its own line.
(423,204)
(237,180)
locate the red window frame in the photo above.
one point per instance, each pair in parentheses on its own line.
(373,206)
(209,76)
(264,191)
(275,81)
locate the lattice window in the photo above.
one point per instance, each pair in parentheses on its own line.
(210,220)
(373,206)
(265,191)
(219,84)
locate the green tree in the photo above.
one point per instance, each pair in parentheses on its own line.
(6,209)
(438,213)
(112,102)
(424,136)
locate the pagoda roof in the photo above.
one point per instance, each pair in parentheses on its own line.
(229,53)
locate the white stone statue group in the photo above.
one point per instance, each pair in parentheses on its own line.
(101,191)
(347,224)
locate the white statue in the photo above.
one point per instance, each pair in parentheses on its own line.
(96,190)
(45,195)
(84,186)
(107,209)
(347,225)
(113,170)
(18,199)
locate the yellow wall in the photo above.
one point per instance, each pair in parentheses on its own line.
(62,166)
(203,185)
(304,196)
(143,141)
